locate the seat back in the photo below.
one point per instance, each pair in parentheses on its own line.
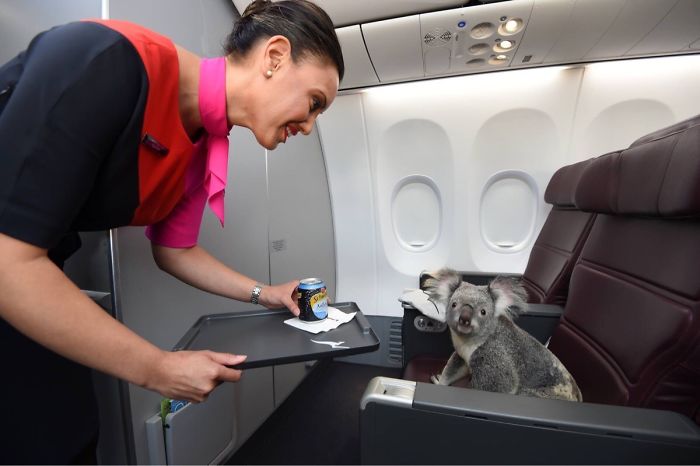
(546,277)
(630,332)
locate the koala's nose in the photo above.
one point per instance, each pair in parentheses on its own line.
(465,317)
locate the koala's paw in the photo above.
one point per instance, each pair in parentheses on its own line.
(435,379)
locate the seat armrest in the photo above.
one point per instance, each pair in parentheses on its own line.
(527,411)
(539,320)
(542,310)
(502,428)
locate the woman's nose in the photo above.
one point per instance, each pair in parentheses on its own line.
(307,125)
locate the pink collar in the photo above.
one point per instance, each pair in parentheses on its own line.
(212,109)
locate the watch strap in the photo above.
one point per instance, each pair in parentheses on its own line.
(255,294)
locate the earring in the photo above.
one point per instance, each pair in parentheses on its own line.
(269,73)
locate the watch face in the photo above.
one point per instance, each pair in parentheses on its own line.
(255,294)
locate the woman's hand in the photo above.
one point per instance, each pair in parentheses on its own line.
(192,375)
(284,295)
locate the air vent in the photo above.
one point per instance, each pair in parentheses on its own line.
(437,36)
(395,343)
(446,36)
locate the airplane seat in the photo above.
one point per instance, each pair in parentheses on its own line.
(630,332)
(548,270)
(546,277)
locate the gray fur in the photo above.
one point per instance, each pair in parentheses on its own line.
(497,354)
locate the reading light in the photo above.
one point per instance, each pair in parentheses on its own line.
(503,46)
(499,59)
(511,25)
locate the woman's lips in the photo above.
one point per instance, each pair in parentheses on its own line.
(289,131)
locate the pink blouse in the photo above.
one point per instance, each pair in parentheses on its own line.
(206,175)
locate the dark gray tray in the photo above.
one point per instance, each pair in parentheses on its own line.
(267,340)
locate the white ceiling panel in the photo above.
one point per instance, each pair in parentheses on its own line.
(675,32)
(358,67)
(346,12)
(548,22)
(394,46)
(589,21)
(635,20)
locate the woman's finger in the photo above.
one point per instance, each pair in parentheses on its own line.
(227,359)
(229,375)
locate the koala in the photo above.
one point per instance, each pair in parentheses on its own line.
(497,354)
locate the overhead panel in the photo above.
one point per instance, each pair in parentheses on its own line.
(358,67)
(589,21)
(631,25)
(548,22)
(675,33)
(395,48)
(473,38)
(345,13)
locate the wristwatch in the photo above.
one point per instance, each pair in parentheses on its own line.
(255,295)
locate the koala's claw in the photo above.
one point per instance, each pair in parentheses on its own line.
(435,379)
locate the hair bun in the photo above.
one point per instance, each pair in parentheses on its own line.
(255,7)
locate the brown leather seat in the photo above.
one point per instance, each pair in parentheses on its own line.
(546,277)
(630,332)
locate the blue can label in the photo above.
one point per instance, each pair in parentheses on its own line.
(313,300)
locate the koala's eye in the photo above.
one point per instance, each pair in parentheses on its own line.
(483,312)
(454,304)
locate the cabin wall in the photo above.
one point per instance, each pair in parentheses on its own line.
(452,171)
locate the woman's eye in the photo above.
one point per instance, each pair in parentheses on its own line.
(483,312)
(315,104)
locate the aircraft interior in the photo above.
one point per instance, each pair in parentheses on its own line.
(553,142)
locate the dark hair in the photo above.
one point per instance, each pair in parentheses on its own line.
(308,28)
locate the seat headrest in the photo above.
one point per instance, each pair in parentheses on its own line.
(669,130)
(659,175)
(562,186)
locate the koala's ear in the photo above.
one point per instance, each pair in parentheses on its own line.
(508,293)
(441,284)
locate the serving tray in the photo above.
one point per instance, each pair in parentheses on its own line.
(267,340)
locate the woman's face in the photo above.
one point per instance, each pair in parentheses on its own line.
(292,98)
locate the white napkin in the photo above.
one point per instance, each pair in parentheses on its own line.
(334,319)
(420,300)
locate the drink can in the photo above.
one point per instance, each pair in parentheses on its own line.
(313,300)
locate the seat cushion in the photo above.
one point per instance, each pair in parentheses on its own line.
(420,368)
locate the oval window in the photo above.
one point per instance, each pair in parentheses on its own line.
(416,213)
(508,211)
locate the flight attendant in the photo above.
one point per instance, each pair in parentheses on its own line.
(105,124)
